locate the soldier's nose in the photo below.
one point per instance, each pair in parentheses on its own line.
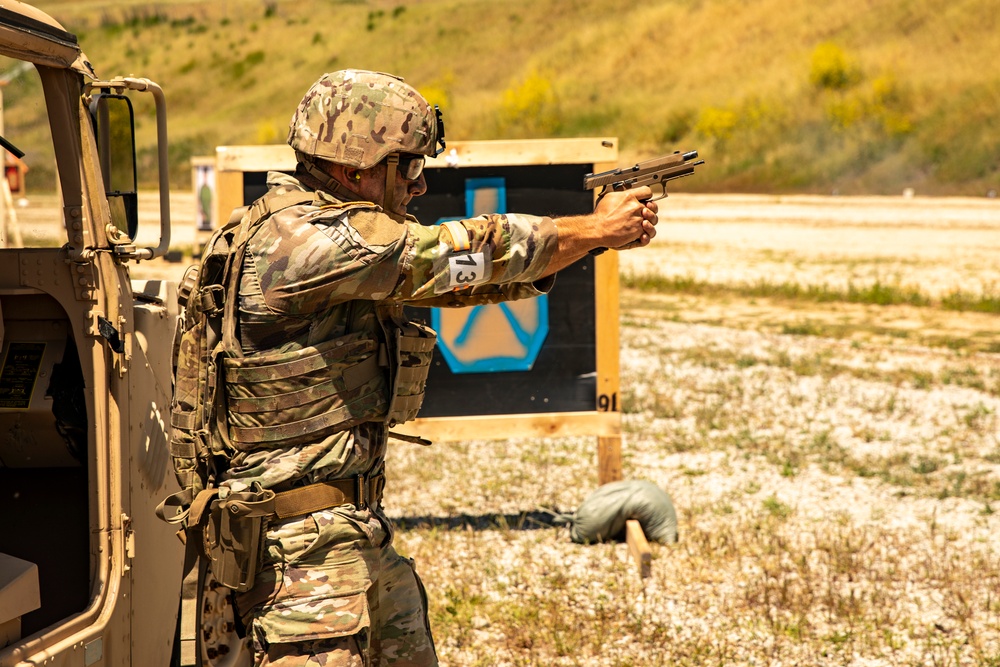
(418,187)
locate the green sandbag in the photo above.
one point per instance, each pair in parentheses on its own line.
(602,515)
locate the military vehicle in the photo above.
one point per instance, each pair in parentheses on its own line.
(88,574)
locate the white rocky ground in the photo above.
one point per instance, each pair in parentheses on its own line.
(825,518)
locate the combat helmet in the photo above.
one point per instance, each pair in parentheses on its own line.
(358,118)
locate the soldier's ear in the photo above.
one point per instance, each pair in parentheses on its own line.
(348,176)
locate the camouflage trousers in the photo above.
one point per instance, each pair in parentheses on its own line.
(329,592)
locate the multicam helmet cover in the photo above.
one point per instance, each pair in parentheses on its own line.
(357,118)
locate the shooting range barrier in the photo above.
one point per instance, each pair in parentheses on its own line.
(544,367)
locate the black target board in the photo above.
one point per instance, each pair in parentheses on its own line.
(558,376)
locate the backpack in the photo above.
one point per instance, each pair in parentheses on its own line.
(199,446)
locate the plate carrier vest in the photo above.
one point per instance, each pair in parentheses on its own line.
(225,402)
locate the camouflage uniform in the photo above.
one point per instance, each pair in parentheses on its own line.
(331,588)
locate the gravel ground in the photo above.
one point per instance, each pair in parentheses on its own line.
(936,244)
(825,517)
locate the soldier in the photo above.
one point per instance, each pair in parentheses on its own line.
(330,364)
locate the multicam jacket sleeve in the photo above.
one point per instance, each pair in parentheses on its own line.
(307,259)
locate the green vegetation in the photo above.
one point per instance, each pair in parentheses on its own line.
(876,293)
(779,97)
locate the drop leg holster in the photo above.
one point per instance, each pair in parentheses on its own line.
(234,535)
(233,527)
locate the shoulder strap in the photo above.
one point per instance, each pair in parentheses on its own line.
(274,201)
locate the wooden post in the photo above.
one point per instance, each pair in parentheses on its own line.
(228,194)
(609,448)
(10,216)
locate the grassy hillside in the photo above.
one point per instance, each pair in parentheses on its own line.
(857,96)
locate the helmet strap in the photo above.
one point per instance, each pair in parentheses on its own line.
(310,174)
(391,166)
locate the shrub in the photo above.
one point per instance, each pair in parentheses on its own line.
(531,107)
(267,132)
(373,19)
(885,105)
(845,112)
(439,91)
(717,124)
(831,69)
(254,58)
(891,105)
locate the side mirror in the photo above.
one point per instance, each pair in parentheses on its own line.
(114,126)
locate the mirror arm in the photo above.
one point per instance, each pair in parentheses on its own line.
(145,85)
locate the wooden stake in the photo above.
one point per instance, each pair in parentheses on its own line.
(638,546)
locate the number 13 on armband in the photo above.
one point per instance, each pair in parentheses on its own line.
(467,269)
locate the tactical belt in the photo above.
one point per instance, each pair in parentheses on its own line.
(360,491)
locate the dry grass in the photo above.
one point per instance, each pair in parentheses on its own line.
(728,77)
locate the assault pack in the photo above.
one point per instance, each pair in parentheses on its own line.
(225,402)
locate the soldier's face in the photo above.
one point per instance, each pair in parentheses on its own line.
(372,187)
(406,189)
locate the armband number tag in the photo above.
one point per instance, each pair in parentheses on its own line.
(467,269)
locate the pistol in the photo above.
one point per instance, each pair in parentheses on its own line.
(651,172)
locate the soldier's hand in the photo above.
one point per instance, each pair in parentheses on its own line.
(628,218)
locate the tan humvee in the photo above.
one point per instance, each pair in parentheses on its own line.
(88,574)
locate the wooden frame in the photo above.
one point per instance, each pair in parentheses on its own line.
(232,162)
